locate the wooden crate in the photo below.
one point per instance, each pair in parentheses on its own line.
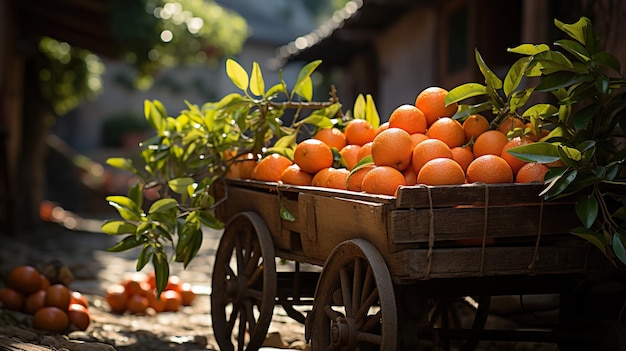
(424,232)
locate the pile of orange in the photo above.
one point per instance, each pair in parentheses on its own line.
(138,295)
(420,144)
(54,307)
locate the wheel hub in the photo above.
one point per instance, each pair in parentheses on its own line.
(343,333)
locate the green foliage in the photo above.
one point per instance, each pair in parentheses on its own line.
(193,150)
(587,125)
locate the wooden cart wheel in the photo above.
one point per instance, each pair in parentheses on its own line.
(446,315)
(243,283)
(354,306)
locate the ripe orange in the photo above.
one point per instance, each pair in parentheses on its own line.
(509,124)
(463,156)
(174,283)
(11,299)
(187,294)
(45,283)
(116,298)
(271,167)
(137,304)
(173,300)
(78,298)
(359,132)
(58,295)
(417,138)
(409,118)
(338,179)
(513,161)
(295,176)
(319,179)
(490,142)
(355,179)
(431,101)
(25,279)
(383,180)
(475,125)
(333,137)
(531,172)
(441,171)
(392,147)
(312,155)
(350,154)
(448,130)
(158,305)
(34,301)
(241,166)
(79,316)
(51,319)
(382,127)
(410,176)
(427,150)
(489,169)
(366,150)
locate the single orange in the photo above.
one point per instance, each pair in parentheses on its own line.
(333,137)
(427,150)
(489,169)
(137,304)
(441,171)
(173,300)
(45,283)
(475,125)
(34,301)
(174,282)
(366,150)
(359,132)
(271,167)
(448,130)
(355,179)
(410,176)
(513,161)
(431,101)
(490,142)
(58,295)
(25,279)
(463,155)
(338,179)
(156,304)
(241,166)
(116,298)
(350,155)
(319,178)
(531,172)
(417,138)
(187,294)
(79,316)
(510,123)
(51,319)
(78,298)
(392,147)
(295,176)
(383,180)
(312,155)
(12,299)
(382,127)
(409,118)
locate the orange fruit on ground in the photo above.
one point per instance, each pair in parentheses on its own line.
(137,304)
(333,137)
(173,300)
(409,118)
(79,316)
(187,294)
(355,179)
(475,125)
(463,156)
(427,150)
(383,180)
(78,298)
(448,130)
(418,138)
(513,161)
(490,142)
(319,179)
(337,179)
(116,298)
(441,171)
(366,150)
(45,283)
(410,176)
(431,101)
(350,155)
(359,132)
(58,295)
(174,283)
(12,299)
(158,305)
(34,301)
(51,319)
(312,155)
(135,287)
(25,279)
(510,123)
(271,167)
(489,169)
(392,147)
(295,176)
(531,172)
(382,127)
(241,166)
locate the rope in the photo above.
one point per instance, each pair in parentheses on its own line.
(431,234)
(485,219)
(533,262)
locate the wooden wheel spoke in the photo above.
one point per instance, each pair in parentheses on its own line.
(255,294)
(370,338)
(255,275)
(372,321)
(369,302)
(249,311)
(253,262)
(346,293)
(230,323)
(368,283)
(331,314)
(357,283)
(242,329)
(229,271)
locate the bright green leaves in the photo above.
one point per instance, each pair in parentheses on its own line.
(237,74)
(304,85)
(365,108)
(257,85)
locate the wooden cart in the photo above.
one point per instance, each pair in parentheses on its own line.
(392,267)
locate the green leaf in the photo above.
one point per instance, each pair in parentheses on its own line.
(552,61)
(583,117)
(161,270)
(135,193)
(559,184)
(163,205)
(127,243)
(371,113)
(569,153)
(619,246)
(305,89)
(541,152)
(286,215)
(608,60)
(126,207)
(275,89)
(121,163)
(541,110)
(519,98)
(558,80)
(465,111)
(209,220)
(179,185)
(257,85)
(515,74)
(587,209)
(594,238)
(155,115)
(359,107)
(304,76)
(490,78)
(237,74)
(576,30)
(116,227)
(574,48)
(465,91)
(286,141)
(144,257)
(529,49)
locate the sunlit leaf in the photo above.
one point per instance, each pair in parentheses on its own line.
(161,270)
(490,78)
(126,207)
(541,152)
(587,209)
(209,220)
(576,30)
(560,80)
(542,110)
(465,91)
(163,205)
(286,141)
(286,215)
(574,48)
(130,242)
(359,107)
(154,115)
(237,74)
(529,49)
(145,256)
(121,163)
(116,227)
(515,74)
(179,185)
(371,113)
(305,89)
(559,184)
(257,85)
